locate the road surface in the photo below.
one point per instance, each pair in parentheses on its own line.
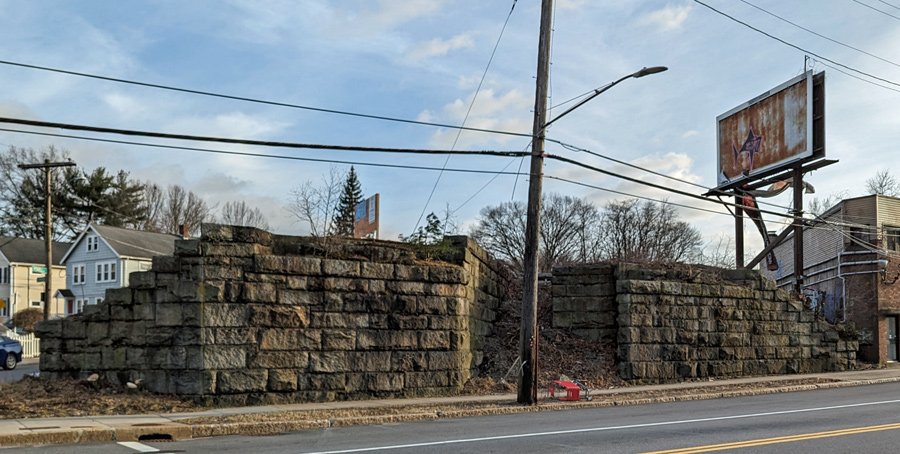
(26,367)
(860,420)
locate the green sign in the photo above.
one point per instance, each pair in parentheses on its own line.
(38,269)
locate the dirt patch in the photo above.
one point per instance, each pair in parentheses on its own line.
(36,398)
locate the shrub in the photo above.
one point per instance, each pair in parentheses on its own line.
(26,319)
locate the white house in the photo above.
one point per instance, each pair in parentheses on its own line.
(103,257)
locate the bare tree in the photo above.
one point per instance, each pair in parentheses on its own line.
(719,252)
(315,204)
(818,206)
(22,197)
(501,230)
(154,201)
(648,232)
(239,213)
(883,183)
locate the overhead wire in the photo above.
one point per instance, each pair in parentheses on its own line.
(856,77)
(468,112)
(789,44)
(264,143)
(889,4)
(260,101)
(819,34)
(876,9)
(241,153)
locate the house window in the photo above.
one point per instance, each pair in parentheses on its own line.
(4,275)
(78,274)
(93,243)
(106,272)
(36,304)
(892,238)
(98,300)
(79,306)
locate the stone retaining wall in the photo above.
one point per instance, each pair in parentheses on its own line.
(242,316)
(685,323)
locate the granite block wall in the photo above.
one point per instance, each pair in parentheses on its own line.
(683,323)
(242,316)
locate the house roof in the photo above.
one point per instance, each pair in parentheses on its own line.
(26,250)
(136,243)
(129,243)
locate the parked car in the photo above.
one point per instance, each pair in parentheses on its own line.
(10,352)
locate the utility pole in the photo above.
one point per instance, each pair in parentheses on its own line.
(47,166)
(528,340)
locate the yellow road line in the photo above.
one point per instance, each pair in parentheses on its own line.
(784,439)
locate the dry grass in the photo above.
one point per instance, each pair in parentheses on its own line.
(36,398)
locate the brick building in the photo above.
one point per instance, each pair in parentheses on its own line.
(852,270)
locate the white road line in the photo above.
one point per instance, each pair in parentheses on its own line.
(601,429)
(139,447)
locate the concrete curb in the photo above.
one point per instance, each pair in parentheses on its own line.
(182,431)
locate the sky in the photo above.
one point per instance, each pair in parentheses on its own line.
(423,60)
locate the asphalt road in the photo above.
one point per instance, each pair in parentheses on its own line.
(859,420)
(27,366)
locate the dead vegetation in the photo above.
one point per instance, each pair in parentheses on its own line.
(36,398)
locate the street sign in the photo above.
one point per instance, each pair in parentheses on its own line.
(35,269)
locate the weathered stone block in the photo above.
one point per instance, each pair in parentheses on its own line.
(279,316)
(371,270)
(410,273)
(259,293)
(281,380)
(341,268)
(169,314)
(224,357)
(241,381)
(339,340)
(371,361)
(330,362)
(290,339)
(226,315)
(279,360)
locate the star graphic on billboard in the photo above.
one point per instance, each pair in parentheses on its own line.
(744,156)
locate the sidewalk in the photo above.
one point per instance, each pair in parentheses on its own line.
(36,431)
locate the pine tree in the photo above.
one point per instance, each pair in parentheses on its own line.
(344,215)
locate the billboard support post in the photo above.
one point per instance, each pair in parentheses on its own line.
(798,228)
(738,234)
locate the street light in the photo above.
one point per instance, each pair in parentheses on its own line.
(528,341)
(641,73)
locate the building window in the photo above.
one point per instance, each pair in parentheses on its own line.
(78,274)
(106,272)
(36,303)
(892,238)
(98,300)
(93,243)
(79,306)
(4,275)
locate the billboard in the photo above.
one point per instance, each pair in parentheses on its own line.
(767,133)
(365,218)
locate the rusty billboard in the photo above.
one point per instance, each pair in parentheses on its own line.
(768,133)
(366,218)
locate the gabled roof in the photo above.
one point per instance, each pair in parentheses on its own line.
(25,250)
(130,243)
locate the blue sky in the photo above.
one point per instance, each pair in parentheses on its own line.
(422,59)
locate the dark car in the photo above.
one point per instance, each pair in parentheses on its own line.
(10,352)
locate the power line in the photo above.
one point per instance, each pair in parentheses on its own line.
(819,34)
(795,46)
(258,101)
(876,9)
(889,4)
(857,77)
(241,153)
(468,111)
(262,143)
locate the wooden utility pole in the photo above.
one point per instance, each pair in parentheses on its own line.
(47,166)
(528,340)
(798,229)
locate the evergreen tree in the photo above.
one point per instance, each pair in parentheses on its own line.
(344,215)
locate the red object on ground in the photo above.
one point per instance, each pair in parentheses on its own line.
(573,391)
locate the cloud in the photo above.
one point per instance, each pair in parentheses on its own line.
(506,112)
(570,4)
(232,124)
(667,19)
(438,47)
(690,133)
